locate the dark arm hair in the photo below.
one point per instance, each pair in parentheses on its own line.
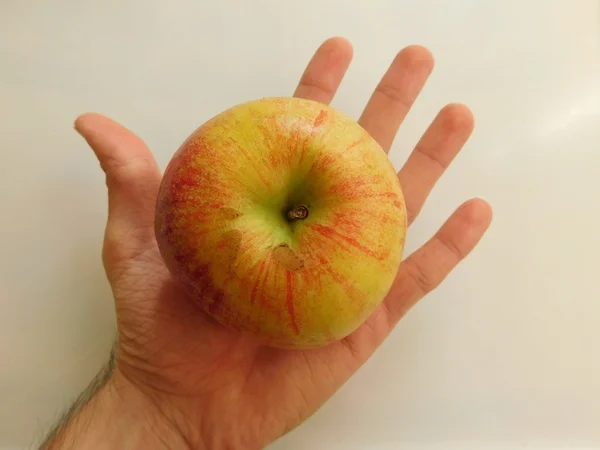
(54,436)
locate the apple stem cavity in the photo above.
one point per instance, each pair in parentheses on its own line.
(299,212)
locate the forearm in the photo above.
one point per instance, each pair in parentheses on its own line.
(113,414)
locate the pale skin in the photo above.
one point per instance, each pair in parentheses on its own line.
(181,381)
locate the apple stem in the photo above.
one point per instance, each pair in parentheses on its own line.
(299,212)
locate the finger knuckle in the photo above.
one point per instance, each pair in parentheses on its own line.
(425,280)
(392,94)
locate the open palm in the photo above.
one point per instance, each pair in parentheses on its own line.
(216,388)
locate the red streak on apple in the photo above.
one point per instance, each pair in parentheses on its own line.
(290,300)
(263,297)
(257,282)
(336,236)
(324,267)
(320,119)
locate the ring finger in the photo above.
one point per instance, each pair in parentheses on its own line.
(434,152)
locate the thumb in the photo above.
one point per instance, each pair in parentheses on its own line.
(133,179)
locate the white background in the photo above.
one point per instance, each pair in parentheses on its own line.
(505,355)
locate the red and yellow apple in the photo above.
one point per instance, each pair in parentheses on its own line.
(283,219)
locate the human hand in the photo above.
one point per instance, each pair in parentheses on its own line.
(213,388)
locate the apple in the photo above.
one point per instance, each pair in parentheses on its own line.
(284,220)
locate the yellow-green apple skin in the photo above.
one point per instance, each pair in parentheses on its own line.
(284,220)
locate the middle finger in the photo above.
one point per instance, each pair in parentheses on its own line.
(395,94)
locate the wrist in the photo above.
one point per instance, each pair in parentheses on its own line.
(137,412)
(117,416)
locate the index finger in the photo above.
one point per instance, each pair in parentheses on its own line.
(325,71)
